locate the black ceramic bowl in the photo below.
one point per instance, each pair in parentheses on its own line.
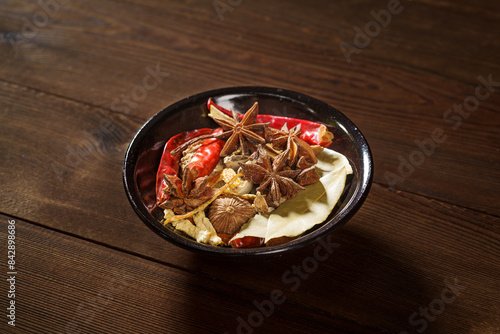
(144,153)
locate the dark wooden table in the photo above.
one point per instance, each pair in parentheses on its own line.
(421,79)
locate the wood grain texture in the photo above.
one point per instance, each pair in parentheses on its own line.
(67,285)
(407,242)
(75,89)
(395,91)
(372,264)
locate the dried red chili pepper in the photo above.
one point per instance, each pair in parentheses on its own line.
(206,156)
(169,164)
(311,132)
(247,242)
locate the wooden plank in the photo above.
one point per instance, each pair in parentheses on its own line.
(67,285)
(396,98)
(397,251)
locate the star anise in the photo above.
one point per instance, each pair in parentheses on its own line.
(290,139)
(239,133)
(274,178)
(307,176)
(307,173)
(260,204)
(186,195)
(242,133)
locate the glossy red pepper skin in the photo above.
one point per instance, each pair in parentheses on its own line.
(311,132)
(206,156)
(247,242)
(169,164)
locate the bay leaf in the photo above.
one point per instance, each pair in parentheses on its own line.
(255,227)
(330,160)
(309,207)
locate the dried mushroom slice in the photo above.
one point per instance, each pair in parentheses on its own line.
(228,213)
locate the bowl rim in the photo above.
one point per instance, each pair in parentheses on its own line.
(321,230)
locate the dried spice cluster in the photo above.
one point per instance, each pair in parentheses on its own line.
(221,178)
